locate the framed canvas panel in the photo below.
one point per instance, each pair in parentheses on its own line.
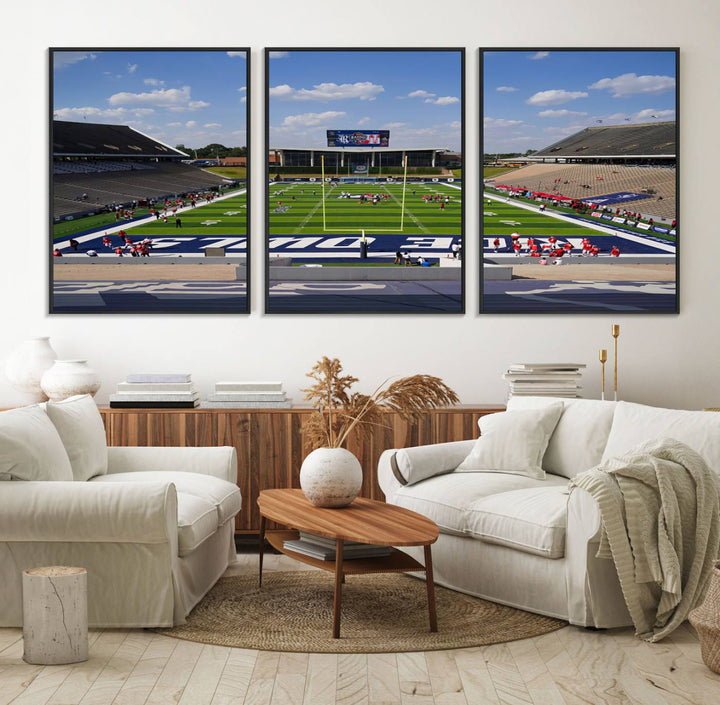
(149,180)
(365,204)
(580,181)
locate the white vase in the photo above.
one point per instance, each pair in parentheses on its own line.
(25,366)
(331,477)
(66,378)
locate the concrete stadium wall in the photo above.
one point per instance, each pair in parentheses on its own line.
(667,360)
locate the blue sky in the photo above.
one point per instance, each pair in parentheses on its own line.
(532,99)
(415,94)
(178,97)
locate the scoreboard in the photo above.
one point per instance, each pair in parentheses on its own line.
(358,138)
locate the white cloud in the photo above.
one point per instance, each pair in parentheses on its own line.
(363,90)
(132,68)
(191,124)
(312,119)
(211,125)
(506,89)
(62,59)
(153,82)
(444,100)
(176,99)
(238,54)
(539,55)
(363,121)
(242,89)
(243,99)
(559,113)
(278,54)
(393,125)
(555,97)
(649,115)
(629,84)
(117,115)
(174,124)
(491,122)
(421,94)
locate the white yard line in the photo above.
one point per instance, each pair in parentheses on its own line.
(144,221)
(591,226)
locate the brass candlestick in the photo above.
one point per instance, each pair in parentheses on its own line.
(615,330)
(603,360)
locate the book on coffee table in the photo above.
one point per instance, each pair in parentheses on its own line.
(327,553)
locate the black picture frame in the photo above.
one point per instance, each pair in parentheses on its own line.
(359,294)
(514,71)
(91,136)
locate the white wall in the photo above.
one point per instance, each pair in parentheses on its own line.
(665,360)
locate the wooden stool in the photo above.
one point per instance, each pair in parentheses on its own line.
(55,615)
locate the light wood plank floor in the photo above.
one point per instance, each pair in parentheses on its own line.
(567,667)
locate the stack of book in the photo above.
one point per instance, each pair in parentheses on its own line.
(155,391)
(247,395)
(323,548)
(545,379)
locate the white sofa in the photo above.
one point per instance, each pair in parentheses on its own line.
(154,527)
(524,540)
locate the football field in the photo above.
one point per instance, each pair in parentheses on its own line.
(220,223)
(298,208)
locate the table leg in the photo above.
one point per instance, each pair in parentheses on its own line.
(337,597)
(261,549)
(429,580)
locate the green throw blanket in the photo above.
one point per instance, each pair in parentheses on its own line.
(659,508)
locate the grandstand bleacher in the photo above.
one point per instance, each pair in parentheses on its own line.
(98,166)
(644,141)
(601,160)
(583,181)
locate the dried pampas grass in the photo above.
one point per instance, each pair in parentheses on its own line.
(338,410)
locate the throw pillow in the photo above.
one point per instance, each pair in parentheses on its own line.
(411,465)
(513,442)
(80,426)
(30,447)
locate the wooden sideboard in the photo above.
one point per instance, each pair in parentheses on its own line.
(270,443)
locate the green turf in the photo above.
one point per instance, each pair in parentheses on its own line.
(490,172)
(230,172)
(304,215)
(193,220)
(528,223)
(547,225)
(68,228)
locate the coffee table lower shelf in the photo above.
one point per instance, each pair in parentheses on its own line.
(396,562)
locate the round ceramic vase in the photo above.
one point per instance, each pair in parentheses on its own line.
(25,367)
(331,477)
(66,378)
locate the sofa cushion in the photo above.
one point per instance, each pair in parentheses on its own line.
(532,520)
(223,495)
(81,429)
(421,462)
(197,521)
(513,442)
(581,434)
(30,447)
(635,423)
(446,499)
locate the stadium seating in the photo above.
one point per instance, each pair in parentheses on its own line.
(107,187)
(646,140)
(588,180)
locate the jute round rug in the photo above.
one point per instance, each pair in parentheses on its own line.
(380,613)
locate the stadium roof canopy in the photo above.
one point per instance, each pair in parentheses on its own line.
(362,149)
(87,139)
(656,140)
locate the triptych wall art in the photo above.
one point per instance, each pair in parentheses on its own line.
(364,167)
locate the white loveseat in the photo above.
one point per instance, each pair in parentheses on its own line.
(527,541)
(154,527)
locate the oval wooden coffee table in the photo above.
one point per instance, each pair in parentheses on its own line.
(366,521)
